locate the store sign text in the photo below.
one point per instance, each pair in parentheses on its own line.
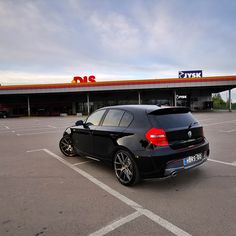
(190,74)
(84,79)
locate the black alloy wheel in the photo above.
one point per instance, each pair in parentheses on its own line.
(66,146)
(125,168)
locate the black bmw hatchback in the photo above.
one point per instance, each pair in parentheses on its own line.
(141,141)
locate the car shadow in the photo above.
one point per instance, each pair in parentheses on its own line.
(185,179)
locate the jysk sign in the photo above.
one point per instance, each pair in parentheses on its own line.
(190,74)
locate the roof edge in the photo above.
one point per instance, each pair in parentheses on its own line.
(119,83)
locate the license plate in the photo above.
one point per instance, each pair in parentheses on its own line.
(192,159)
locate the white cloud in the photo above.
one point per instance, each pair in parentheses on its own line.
(135,39)
(117,34)
(12,78)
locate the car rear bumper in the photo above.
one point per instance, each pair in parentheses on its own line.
(156,165)
(176,166)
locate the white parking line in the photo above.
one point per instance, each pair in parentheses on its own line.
(206,119)
(228,131)
(154,217)
(64,126)
(222,162)
(219,123)
(48,132)
(28,126)
(6,127)
(34,129)
(6,131)
(51,126)
(116,224)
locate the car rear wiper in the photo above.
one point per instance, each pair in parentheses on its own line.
(192,123)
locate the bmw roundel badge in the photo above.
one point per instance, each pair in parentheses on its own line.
(190,134)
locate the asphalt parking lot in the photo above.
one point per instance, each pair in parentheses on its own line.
(44,193)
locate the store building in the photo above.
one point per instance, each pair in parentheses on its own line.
(83,98)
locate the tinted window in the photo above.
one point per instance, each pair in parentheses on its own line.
(126,120)
(113,118)
(95,118)
(170,121)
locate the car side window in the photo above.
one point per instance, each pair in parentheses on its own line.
(126,120)
(94,118)
(113,117)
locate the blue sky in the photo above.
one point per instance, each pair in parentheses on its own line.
(50,41)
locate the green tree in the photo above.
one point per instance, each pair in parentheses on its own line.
(218,102)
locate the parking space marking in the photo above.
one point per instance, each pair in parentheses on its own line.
(47,132)
(222,162)
(206,119)
(152,216)
(6,127)
(51,126)
(5,132)
(219,123)
(18,126)
(111,227)
(80,163)
(34,129)
(228,131)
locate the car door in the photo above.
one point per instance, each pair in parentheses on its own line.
(105,135)
(82,136)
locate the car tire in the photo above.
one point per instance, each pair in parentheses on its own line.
(66,146)
(126,169)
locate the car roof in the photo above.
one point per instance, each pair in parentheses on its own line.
(150,109)
(146,108)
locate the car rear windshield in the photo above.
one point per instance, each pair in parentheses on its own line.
(173,121)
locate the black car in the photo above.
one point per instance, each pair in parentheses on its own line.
(141,141)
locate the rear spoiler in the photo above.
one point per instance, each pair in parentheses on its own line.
(170,110)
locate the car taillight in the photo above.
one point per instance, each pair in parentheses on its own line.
(157,137)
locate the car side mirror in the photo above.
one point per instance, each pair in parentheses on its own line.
(79,122)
